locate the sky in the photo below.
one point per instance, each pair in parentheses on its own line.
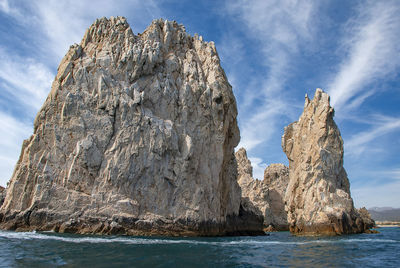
(273,52)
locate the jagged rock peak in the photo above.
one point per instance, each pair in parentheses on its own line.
(244,164)
(265,198)
(318,194)
(137,137)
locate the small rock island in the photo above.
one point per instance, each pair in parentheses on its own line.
(137,137)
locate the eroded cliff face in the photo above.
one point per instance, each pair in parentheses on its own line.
(318,194)
(136,137)
(266,197)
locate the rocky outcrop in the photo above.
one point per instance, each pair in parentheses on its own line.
(366,217)
(266,197)
(136,137)
(318,193)
(2,195)
(254,195)
(276,178)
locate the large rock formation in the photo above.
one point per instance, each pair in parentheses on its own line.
(136,137)
(318,194)
(266,197)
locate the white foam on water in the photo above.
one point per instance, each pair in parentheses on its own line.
(254,242)
(152,241)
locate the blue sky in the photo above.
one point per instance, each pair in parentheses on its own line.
(274,52)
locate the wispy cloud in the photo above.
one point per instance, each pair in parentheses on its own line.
(6,8)
(395,173)
(372,50)
(260,127)
(279,29)
(380,125)
(258,167)
(27,80)
(383,195)
(12,133)
(65,23)
(59,24)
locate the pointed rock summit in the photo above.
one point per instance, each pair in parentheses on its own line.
(136,137)
(318,194)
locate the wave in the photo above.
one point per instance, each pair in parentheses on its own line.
(152,241)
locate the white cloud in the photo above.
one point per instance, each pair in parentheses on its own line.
(394,173)
(54,26)
(260,127)
(373,53)
(377,195)
(12,133)
(258,167)
(65,23)
(27,80)
(360,142)
(280,28)
(5,7)
(59,24)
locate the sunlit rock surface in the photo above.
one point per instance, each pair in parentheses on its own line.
(136,137)
(318,195)
(265,198)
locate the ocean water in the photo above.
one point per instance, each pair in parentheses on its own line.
(281,249)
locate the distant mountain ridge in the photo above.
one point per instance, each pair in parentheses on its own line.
(385,213)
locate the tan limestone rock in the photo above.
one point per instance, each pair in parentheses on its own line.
(136,137)
(318,194)
(266,197)
(276,178)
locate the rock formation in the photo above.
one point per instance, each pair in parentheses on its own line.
(266,197)
(136,137)
(318,193)
(366,217)
(2,195)
(276,178)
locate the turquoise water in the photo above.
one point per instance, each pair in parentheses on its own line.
(277,250)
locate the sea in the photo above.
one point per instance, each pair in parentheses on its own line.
(279,249)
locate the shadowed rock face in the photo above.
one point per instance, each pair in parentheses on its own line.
(2,195)
(265,198)
(136,137)
(318,194)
